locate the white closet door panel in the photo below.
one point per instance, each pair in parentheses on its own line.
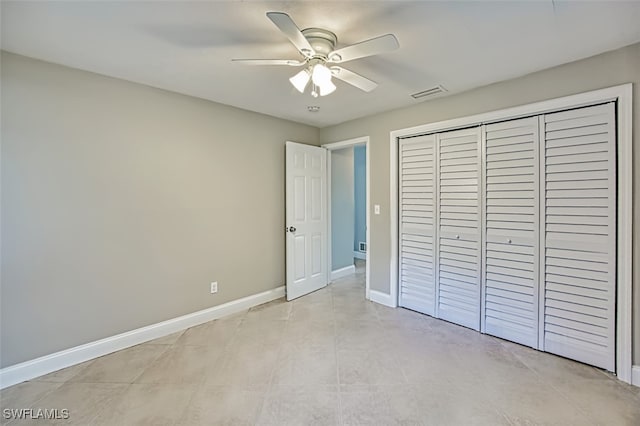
(510,224)
(417,224)
(579,235)
(459,233)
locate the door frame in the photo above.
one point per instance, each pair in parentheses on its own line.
(622,95)
(362,140)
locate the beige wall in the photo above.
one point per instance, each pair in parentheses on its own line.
(121,203)
(609,69)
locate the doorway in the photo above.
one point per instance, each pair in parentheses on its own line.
(348,188)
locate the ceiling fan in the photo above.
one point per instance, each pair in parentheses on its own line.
(318,49)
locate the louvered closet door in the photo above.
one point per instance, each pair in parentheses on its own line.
(459,250)
(417,207)
(511,212)
(580,235)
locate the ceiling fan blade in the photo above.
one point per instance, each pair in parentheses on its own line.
(291,30)
(288,62)
(374,46)
(354,79)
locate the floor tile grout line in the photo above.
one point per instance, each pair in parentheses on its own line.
(188,404)
(541,379)
(150,364)
(34,403)
(104,405)
(115,398)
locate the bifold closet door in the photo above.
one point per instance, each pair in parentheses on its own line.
(511,216)
(417,218)
(459,227)
(579,235)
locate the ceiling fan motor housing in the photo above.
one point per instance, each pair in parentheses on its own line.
(322,41)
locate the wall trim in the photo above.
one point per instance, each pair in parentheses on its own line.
(381,298)
(622,94)
(635,375)
(28,370)
(343,272)
(360,255)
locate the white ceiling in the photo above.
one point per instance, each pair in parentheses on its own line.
(187,47)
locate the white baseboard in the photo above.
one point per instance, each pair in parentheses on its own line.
(49,363)
(381,298)
(343,272)
(635,375)
(360,255)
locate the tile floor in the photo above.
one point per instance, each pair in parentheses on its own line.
(330,358)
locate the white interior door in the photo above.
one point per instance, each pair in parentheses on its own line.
(306,219)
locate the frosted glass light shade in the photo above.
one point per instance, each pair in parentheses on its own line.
(327,88)
(321,75)
(300,80)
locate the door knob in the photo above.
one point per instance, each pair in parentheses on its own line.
(292,229)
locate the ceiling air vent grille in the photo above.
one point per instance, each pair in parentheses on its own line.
(429,92)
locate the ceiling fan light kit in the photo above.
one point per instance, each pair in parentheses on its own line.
(318,48)
(319,74)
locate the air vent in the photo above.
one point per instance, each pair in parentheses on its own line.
(429,92)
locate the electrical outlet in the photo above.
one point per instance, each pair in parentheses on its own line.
(214,287)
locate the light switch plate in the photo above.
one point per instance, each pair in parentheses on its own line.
(376,209)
